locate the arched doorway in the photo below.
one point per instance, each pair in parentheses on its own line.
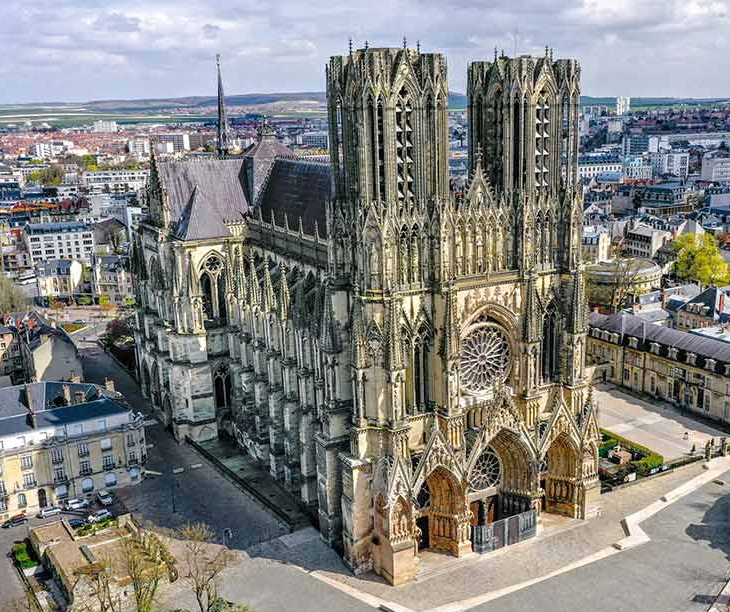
(447,527)
(560,473)
(222,388)
(42,498)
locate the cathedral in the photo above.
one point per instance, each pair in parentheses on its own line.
(407,359)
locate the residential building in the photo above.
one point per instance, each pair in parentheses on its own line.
(590,166)
(179,141)
(62,440)
(634,144)
(11,357)
(644,241)
(716,168)
(371,369)
(59,279)
(104,126)
(63,240)
(318,140)
(623,105)
(114,181)
(709,308)
(686,369)
(663,199)
(112,278)
(675,163)
(596,245)
(139,147)
(617,283)
(637,168)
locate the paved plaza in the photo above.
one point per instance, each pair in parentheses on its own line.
(657,425)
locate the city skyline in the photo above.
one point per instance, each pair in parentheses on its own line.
(83,52)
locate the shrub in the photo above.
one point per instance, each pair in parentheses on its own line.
(24,556)
(648,458)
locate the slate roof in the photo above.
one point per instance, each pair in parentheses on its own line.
(259,159)
(202,194)
(298,188)
(57,267)
(716,300)
(631,326)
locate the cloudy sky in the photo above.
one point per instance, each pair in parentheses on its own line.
(78,50)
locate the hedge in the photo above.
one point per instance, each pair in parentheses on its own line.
(649,460)
(24,556)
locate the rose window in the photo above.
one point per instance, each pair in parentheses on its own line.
(485,358)
(487,472)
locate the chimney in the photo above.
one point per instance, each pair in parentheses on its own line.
(109,385)
(66,395)
(721,305)
(79,397)
(635,308)
(75,378)
(29,405)
(664,298)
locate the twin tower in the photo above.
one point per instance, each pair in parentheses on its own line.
(388,112)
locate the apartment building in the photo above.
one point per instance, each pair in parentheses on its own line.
(111,278)
(64,240)
(59,278)
(590,166)
(709,308)
(65,440)
(716,168)
(11,358)
(645,241)
(114,181)
(596,245)
(670,162)
(683,368)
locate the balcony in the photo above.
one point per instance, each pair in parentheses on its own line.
(108,467)
(86,472)
(56,459)
(84,453)
(60,479)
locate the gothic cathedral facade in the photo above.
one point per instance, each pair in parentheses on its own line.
(408,359)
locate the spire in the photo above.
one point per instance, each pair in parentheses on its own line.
(253,283)
(300,315)
(451,328)
(284,297)
(222,129)
(395,357)
(328,337)
(269,298)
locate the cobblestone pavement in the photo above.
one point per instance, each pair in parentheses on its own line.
(657,425)
(197,492)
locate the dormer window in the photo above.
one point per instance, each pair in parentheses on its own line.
(691,358)
(655,347)
(614,338)
(673,352)
(710,364)
(633,342)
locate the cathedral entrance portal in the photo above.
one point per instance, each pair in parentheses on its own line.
(561,477)
(447,525)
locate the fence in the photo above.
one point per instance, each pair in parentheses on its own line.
(506,531)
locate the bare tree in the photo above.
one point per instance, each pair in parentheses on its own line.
(204,562)
(12,299)
(625,273)
(97,579)
(146,561)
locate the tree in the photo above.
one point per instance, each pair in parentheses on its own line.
(204,561)
(699,259)
(147,561)
(12,299)
(97,580)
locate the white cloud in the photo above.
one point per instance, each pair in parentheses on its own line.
(153,48)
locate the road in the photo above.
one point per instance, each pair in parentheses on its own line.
(682,569)
(190,494)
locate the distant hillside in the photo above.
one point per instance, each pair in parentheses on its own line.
(456,101)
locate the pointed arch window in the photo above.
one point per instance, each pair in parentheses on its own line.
(404,148)
(550,344)
(213,290)
(222,387)
(542,141)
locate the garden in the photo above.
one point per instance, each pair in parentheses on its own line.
(24,556)
(622,460)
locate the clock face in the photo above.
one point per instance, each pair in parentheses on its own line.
(485,358)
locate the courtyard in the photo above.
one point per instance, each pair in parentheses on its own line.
(657,425)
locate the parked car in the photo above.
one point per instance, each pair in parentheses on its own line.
(76,522)
(76,503)
(49,511)
(99,516)
(79,322)
(105,498)
(14,521)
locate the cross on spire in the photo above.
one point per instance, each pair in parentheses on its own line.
(405,44)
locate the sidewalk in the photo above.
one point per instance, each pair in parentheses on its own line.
(477,575)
